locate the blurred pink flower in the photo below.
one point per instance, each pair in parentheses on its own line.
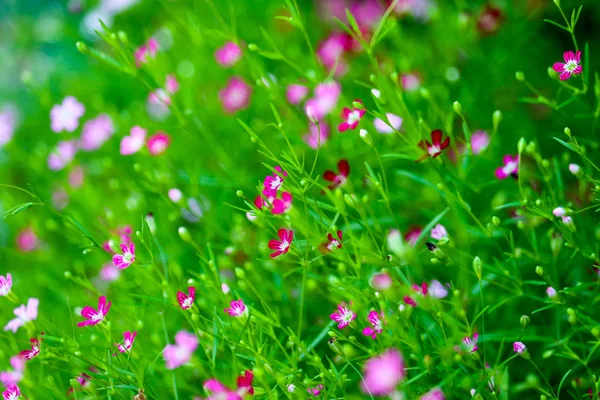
(146,51)
(412,235)
(159,98)
(490,20)
(8,123)
(331,51)
(383,373)
(92,316)
(325,99)
(433,394)
(175,195)
(312,137)
(65,116)
(367,13)
(394,124)
(24,315)
(15,375)
(96,132)
(314,391)
(134,142)
(510,168)
(186,300)
(237,308)
(282,245)
(124,260)
(439,232)
(351,118)
(375,319)
(479,141)
(343,316)
(76,177)
(158,143)
(296,93)
(110,272)
(381,281)
(281,206)
(437,290)
(62,155)
(172,85)
(236,95)
(128,339)
(27,240)
(228,55)
(339,179)
(181,352)
(410,81)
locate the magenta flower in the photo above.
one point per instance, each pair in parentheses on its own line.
(340,178)
(332,243)
(409,301)
(471,344)
(244,387)
(296,93)
(145,52)
(282,245)
(124,260)
(65,116)
(570,66)
(92,316)
(158,143)
(392,124)
(314,391)
(381,281)
(236,95)
(325,99)
(62,155)
(15,375)
(237,308)
(375,319)
(312,137)
(343,316)
(439,232)
(5,285)
(228,55)
(519,347)
(12,392)
(479,141)
(187,300)
(134,142)
(128,339)
(510,168)
(331,52)
(181,352)
(281,206)
(413,235)
(351,118)
(436,146)
(433,394)
(34,352)
(383,373)
(24,315)
(274,182)
(96,132)
(437,290)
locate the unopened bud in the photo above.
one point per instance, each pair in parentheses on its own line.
(524,321)
(252,47)
(150,221)
(364,135)
(184,234)
(335,346)
(568,132)
(82,47)
(539,270)
(520,76)
(521,145)
(496,118)
(457,108)
(358,105)
(477,267)
(495,221)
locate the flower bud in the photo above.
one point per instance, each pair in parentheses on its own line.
(358,105)
(425,93)
(568,132)
(376,93)
(335,346)
(364,135)
(477,267)
(495,221)
(83,49)
(457,108)
(520,76)
(252,47)
(496,118)
(184,234)
(239,193)
(552,74)
(151,223)
(574,169)
(539,270)
(521,145)
(350,199)
(524,321)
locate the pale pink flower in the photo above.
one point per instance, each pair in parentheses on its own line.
(27,240)
(225,288)
(375,319)
(510,168)
(392,124)
(343,316)
(274,182)
(326,96)
(381,281)
(12,392)
(158,143)
(159,98)
(433,394)
(237,308)
(96,132)
(128,339)
(551,292)
(236,95)
(60,198)
(281,206)
(439,232)
(92,316)
(420,10)
(574,169)
(8,123)
(228,55)
(15,375)
(134,142)
(110,272)
(172,85)
(410,81)
(34,352)
(437,290)
(351,118)
(5,285)
(76,177)
(559,212)
(62,155)
(175,195)
(479,141)
(124,260)
(367,13)
(471,343)
(145,52)
(312,137)
(383,373)
(284,243)
(24,315)
(186,300)
(519,347)
(181,352)
(571,66)
(295,93)
(65,116)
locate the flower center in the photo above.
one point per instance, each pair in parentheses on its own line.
(284,245)
(433,150)
(571,65)
(353,117)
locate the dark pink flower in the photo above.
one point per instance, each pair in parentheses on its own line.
(436,146)
(158,143)
(340,178)
(5,285)
(145,52)
(315,391)
(312,137)
(351,118)
(244,383)
(128,339)
(510,168)
(375,319)
(273,182)
(409,301)
(295,93)
(181,352)
(282,245)
(65,116)
(343,316)
(332,243)
(412,235)
(282,205)
(35,350)
(92,316)
(571,66)
(228,55)
(27,240)
(490,19)
(134,142)
(187,300)
(219,391)
(519,347)
(471,343)
(236,95)
(383,373)
(124,260)
(12,392)
(237,308)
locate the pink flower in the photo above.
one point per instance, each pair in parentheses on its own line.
(8,123)
(439,232)
(236,95)
(519,347)
(171,84)
(571,65)
(312,137)
(332,243)
(237,308)
(181,352)
(409,301)
(383,373)
(351,118)
(574,169)
(15,375)
(282,205)
(510,168)
(110,272)
(244,383)
(175,195)
(392,124)
(343,316)
(331,52)
(551,292)
(367,13)
(410,81)
(436,146)
(433,394)
(222,392)
(273,182)
(96,132)
(62,155)
(145,52)
(76,177)
(228,55)
(282,245)
(27,240)
(490,19)
(187,300)
(92,316)
(419,9)
(479,141)
(296,93)
(158,143)
(471,344)
(225,288)
(134,142)
(160,99)
(437,290)
(559,212)
(35,350)
(381,281)
(375,319)
(65,116)
(340,178)
(128,339)
(413,235)
(124,260)
(24,315)
(314,391)
(12,392)
(325,99)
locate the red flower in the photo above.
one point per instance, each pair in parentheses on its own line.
(332,243)
(338,179)
(35,350)
(351,118)
(436,146)
(283,245)
(244,383)
(489,21)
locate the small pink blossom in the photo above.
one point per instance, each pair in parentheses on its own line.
(331,52)
(375,319)
(76,177)
(237,308)
(383,373)
(281,206)
(27,240)
(409,301)
(222,392)
(134,142)
(351,118)
(186,301)
(5,285)
(274,182)
(367,13)
(295,93)
(284,243)
(228,55)
(92,316)
(436,146)
(175,195)
(34,352)
(110,272)
(96,132)
(559,212)
(392,124)
(519,347)
(413,235)
(343,316)
(236,95)
(340,178)
(143,53)
(316,390)
(181,352)
(571,66)
(128,339)
(124,260)
(326,96)
(12,392)
(159,98)
(15,375)
(8,123)
(65,116)
(225,288)
(510,168)
(312,137)
(24,315)
(480,140)
(471,343)
(172,85)
(158,143)
(551,292)
(433,394)
(410,81)
(332,243)
(381,281)
(62,155)
(574,169)
(437,290)
(439,232)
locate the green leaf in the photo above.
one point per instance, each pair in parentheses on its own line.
(556,24)
(430,225)
(18,209)
(567,145)
(352,22)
